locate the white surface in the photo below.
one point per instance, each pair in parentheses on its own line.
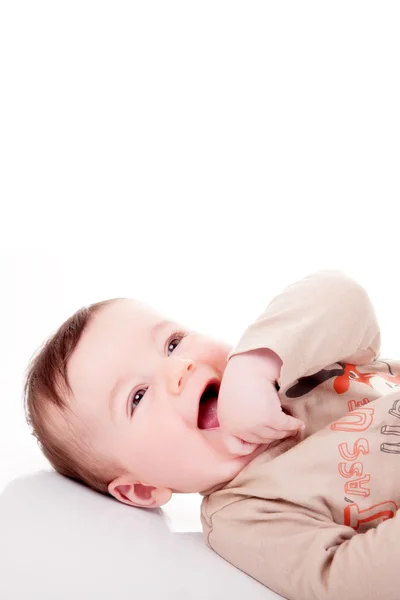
(61,541)
(198,156)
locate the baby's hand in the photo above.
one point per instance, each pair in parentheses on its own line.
(249,409)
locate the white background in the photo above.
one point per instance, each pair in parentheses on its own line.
(198,156)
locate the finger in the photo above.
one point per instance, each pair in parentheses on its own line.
(286,422)
(253,437)
(238,446)
(264,434)
(269,434)
(276,434)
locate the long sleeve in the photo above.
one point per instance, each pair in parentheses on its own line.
(322,319)
(314,559)
(319,521)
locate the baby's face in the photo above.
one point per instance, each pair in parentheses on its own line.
(137,381)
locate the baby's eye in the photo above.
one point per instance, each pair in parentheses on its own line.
(137,398)
(175,337)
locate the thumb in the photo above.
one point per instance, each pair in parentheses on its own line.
(287,423)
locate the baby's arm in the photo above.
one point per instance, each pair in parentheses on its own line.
(319,521)
(320,320)
(303,558)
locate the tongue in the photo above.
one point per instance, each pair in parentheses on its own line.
(208,418)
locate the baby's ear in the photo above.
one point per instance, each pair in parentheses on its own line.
(135,493)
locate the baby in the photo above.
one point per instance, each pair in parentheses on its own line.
(139,407)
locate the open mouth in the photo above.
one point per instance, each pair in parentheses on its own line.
(207,417)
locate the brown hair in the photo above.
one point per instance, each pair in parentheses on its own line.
(46,386)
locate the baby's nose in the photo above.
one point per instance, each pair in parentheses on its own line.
(178,371)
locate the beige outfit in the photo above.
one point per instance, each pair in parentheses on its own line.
(315,517)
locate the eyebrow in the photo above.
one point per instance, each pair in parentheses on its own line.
(116,388)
